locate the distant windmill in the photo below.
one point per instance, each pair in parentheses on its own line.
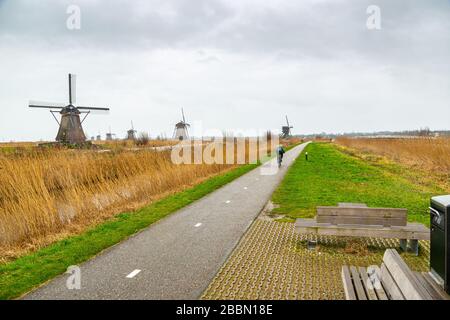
(286,130)
(70,129)
(110,136)
(181,129)
(131,134)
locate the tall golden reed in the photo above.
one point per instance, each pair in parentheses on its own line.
(429,154)
(46,192)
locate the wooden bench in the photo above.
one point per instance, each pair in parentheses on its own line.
(393,281)
(358,220)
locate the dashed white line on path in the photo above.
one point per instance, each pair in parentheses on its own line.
(198,225)
(245,188)
(133,274)
(228,201)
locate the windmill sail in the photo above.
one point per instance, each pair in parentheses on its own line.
(45,105)
(72,88)
(93,108)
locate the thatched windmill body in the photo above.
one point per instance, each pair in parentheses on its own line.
(70,125)
(181,129)
(286,130)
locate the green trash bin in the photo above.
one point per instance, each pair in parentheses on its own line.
(440,245)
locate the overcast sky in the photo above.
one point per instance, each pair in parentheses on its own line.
(234,64)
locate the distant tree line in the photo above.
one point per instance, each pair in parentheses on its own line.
(422,132)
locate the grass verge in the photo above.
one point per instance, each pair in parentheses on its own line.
(331,176)
(28,272)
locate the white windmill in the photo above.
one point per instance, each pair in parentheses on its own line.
(181,129)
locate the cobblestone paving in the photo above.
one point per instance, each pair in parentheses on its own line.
(273,262)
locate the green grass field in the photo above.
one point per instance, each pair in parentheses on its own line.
(25,273)
(331,176)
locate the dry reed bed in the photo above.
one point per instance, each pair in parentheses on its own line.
(431,155)
(47,194)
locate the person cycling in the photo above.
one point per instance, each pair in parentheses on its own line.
(280,153)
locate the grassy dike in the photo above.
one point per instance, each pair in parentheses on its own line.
(25,273)
(331,176)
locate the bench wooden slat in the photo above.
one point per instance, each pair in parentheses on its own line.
(362,215)
(367,284)
(349,290)
(381,294)
(361,221)
(389,285)
(360,292)
(403,276)
(430,289)
(432,283)
(411,231)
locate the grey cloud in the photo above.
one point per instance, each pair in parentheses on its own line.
(115,23)
(321,29)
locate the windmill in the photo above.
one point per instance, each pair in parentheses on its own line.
(109,135)
(181,129)
(70,125)
(131,134)
(286,130)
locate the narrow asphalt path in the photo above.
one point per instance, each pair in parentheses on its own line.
(177,257)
